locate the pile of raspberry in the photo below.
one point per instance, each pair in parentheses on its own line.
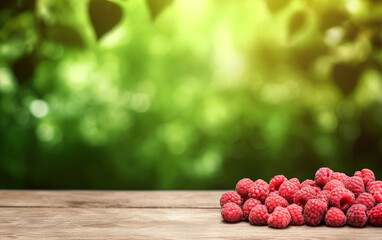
(333,198)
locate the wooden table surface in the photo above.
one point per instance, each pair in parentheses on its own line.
(140,215)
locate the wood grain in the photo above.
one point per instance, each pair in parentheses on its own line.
(136,223)
(140,215)
(111,199)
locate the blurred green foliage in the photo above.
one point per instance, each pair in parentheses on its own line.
(134,94)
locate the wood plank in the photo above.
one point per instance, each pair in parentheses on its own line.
(111,199)
(157,223)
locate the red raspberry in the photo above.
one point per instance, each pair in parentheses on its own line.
(261,182)
(341,198)
(375,215)
(295,211)
(259,192)
(323,175)
(296,182)
(335,217)
(274,200)
(374,186)
(355,184)
(340,176)
(231,212)
(378,196)
(303,195)
(367,176)
(324,195)
(248,205)
(366,199)
(287,191)
(275,182)
(332,184)
(308,182)
(356,215)
(280,218)
(314,211)
(230,196)
(243,186)
(258,215)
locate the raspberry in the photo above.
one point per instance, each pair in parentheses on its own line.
(308,182)
(230,196)
(314,211)
(335,217)
(280,218)
(378,196)
(356,215)
(243,186)
(274,200)
(367,176)
(332,184)
(341,198)
(296,182)
(355,184)
(275,182)
(324,195)
(295,211)
(323,175)
(375,215)
(366,199)
(231,212)
(374,186)
(248,205)
(340,176)
(261,182)
(259,192)
(287,191)
(303,195)
(258,215)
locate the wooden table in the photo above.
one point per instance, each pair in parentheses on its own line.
(140,215)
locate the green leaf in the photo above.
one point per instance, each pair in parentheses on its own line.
(104,16)
(157,6)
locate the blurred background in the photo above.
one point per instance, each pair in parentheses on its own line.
(162,94)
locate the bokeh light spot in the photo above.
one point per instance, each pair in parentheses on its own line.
(39,108)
